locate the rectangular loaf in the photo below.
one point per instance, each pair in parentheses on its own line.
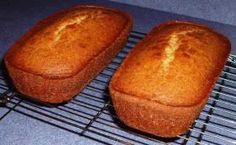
(165,81)
(55,59)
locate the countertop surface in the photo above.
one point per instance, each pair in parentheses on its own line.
(222,11)
(16,17)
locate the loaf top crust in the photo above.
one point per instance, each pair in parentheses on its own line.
(62,44)
(176,64)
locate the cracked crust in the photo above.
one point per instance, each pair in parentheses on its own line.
(55,59)
(165,80)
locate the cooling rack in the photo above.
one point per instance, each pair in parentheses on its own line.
(91,114)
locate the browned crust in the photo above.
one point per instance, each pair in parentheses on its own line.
(152,117)
(151,34)
(44,21)
(60,89)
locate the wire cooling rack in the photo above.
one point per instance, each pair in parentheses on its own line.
(91,115)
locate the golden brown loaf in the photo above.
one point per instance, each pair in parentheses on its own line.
(165,81)
(55,59)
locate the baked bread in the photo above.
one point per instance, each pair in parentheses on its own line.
(56,58)
(165,81)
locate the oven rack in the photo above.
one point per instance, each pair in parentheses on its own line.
(91,114)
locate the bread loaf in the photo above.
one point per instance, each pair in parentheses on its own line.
(165,81)
(56,58)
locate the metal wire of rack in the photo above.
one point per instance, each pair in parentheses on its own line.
(91,114)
